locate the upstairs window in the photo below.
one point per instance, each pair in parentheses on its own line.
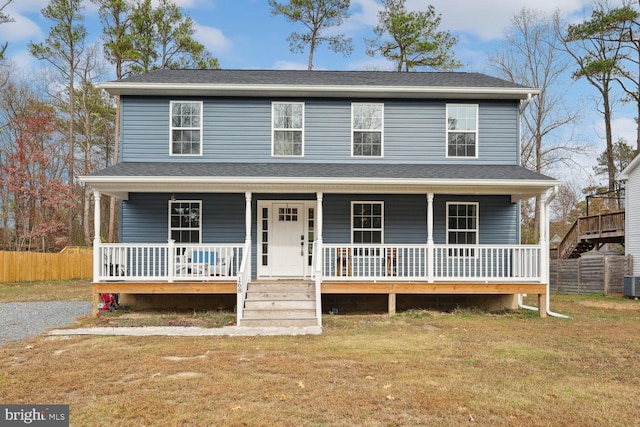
(185,223)
(462,227)
(186,128)
(367,129)
(288,128)
(367,220)
(462,130)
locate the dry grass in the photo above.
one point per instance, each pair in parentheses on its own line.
(417,368)
(63,290)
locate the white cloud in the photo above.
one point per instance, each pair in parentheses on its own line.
(624,127)
(21,29)
(488,19)
(289,65)
(212,38)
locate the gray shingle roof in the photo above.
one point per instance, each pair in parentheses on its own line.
(323,78)
(322,170)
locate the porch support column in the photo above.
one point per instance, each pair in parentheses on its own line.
(430,248)
(96,234)
(316,270)
(247,217)
(319,217)
(544,255)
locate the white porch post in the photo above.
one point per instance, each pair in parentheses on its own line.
(544,254)
(319,218)
(544,240)
(247,217)
(319,261)
(96,235)
(430,248)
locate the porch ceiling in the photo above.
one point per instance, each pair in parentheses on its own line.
(124,178)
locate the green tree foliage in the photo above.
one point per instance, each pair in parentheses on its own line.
(596,58)
(3,19)
(411,39)
(163,38)
(317,16)
(623,154)
(612,27)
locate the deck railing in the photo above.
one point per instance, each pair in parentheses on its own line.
(223,262)
(167,262)
(411,262)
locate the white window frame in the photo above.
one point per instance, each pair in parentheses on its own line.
(472,252)
(199,203)
(172,128)
(465,131)
(354,105)
(275,129)
(354,229)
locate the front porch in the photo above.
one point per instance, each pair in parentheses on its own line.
(338,269)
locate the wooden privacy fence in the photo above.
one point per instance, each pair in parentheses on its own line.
(593,274)
(34,266)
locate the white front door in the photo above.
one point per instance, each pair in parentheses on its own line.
(287,242)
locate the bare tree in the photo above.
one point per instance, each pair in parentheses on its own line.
(3,19)
(530,54)
(62,50)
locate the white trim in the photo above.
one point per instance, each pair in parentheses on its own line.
(377,202)
(171,104)
(624,175)
(274,129)
(361,91)
(477,229)
(199,202)
(381,130)
(264,271)
(447,131)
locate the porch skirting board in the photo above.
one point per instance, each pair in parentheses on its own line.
(334,287)
(218,287)
(441,288)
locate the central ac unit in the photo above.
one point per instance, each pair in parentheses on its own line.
(632,286)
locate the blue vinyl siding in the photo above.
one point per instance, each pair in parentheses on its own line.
(239,130)
(145,216)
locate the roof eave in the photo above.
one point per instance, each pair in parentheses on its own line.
(121,185)
(361,91)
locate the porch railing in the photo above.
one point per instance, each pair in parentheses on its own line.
(449,262)
(167,262)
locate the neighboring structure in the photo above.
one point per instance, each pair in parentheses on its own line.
(631,175)
(255,183)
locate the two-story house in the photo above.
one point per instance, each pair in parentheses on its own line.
(284,188)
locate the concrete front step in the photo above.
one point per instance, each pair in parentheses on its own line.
(279,296)
(271,304)
(280,287)
(278,313)
(280,304)
(266,323)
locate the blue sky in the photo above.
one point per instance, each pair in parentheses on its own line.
(244,34)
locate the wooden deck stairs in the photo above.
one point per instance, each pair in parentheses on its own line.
(590,232)
(280,304)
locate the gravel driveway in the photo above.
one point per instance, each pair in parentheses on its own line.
(20,320)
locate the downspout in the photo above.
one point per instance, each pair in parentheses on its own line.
(523,104)
(545,250)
